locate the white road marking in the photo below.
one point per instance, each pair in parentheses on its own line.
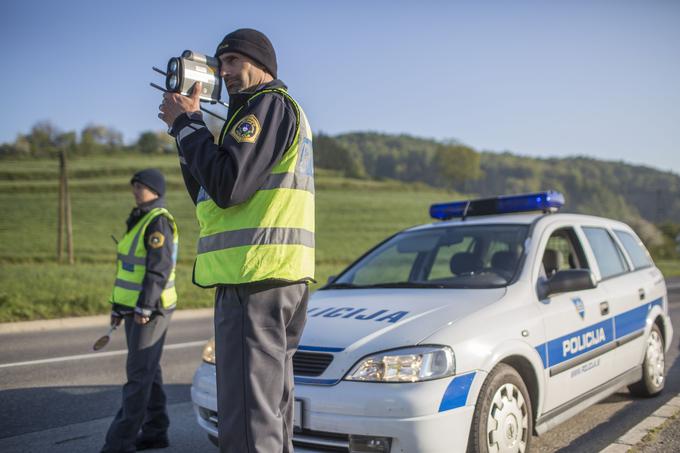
(95,355)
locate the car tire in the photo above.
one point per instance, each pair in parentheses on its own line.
(653,367)
(214,440)
(503,420)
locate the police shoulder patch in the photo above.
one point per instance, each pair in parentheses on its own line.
(246,130)
(156,240)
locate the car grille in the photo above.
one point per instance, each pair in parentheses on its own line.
(208,415)
(310,363)
(304,438)
(321,441)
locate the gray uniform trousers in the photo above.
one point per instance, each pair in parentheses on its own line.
(144,402)
(257,331)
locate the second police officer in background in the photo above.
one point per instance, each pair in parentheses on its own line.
(254,195)
(144,296)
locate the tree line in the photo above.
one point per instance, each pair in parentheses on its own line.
(46,140)
(614,189)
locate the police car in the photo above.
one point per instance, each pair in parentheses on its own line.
(499,321)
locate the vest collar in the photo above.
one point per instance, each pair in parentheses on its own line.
(155,203)
(140,211)
(239,99)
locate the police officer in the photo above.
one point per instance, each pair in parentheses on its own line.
(254,195)
(144,296)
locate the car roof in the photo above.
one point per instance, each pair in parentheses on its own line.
(524,219)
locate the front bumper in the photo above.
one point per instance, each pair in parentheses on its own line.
(204,397)
(415,416)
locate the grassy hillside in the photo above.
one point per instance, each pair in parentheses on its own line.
(352,215)
(613,189)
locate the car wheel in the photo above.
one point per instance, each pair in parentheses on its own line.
(214,440)
(502,422)
(653,367)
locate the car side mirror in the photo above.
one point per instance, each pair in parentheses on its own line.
(330,279)
(569,280)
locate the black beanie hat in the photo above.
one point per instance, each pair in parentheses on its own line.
(250,43)
(151,178)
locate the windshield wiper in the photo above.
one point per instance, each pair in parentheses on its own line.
(342,286)
(386,285)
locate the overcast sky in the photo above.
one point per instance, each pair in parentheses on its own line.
(537,78)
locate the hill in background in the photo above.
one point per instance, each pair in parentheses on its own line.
(591,186)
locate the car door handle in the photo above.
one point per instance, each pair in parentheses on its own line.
(641,292)
(604,308)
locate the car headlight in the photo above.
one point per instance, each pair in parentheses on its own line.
(209,351)
(419,363)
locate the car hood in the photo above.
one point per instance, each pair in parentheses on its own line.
(370,320)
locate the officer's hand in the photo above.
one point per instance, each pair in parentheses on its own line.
(174,104)
(141,320)
(116,319)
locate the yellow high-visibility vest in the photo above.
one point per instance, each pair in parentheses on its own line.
(131,263)
(269,236)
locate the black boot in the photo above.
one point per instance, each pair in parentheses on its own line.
(146,443)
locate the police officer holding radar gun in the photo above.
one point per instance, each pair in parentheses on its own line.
(254,196)
(144,296)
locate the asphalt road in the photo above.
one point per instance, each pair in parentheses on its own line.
(64,398)
(66,405)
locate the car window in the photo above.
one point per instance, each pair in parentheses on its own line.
(609,258)
(638,254)
(563,251)
(440,267)
(393,265)
(476,256)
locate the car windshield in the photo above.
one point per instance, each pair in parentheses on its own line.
(468,256)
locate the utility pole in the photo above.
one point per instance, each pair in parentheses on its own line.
(61,209)
(64,212)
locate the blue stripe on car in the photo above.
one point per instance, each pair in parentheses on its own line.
(319,349)
(631,321)
(304,380)
(542,350)
(587,339)
(554,352)
(457,392)
(634,320)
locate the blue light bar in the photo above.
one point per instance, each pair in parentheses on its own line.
(541,201)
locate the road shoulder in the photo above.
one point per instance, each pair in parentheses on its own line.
(654,434)
(42,325)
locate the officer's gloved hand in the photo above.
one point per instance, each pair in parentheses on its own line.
(116,318)
(142,315)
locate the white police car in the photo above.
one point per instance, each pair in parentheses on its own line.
(474,333)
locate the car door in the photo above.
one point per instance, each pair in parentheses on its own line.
(627,293)
(579,335)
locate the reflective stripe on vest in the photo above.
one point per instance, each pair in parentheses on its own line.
(269,236)
(131,263)
(255,236)
(136,286)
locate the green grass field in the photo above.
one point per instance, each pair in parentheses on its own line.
(352,215)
